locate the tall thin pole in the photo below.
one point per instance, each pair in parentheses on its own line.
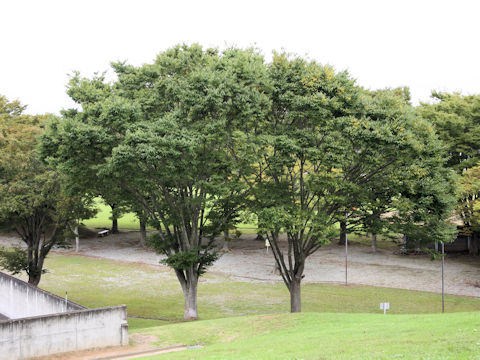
(346,251)
(443,277)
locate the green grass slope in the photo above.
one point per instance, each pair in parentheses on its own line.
(327,336)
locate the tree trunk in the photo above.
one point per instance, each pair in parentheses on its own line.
(191,303)
(418,246)
(143,233)
(35,266)
(474,246)
(374,243)
(343,233)
(77,239)
(34,279)
(189,281)
(114,225)
(295,295)
(114,220)
(404,244)
(276,269)
(226,241)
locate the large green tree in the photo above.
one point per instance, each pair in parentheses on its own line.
(325,149)
(162,133)
(457,121)
(418,192)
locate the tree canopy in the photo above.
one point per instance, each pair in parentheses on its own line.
(328,147)
(161,135)
(457,121)
(32,200)
(192,138)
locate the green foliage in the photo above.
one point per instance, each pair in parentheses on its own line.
(329,147)
(200,257)
(14,260)
(457,121)
(33,200)
(159,137)
(468,207)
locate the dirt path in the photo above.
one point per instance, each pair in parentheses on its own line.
(248,261)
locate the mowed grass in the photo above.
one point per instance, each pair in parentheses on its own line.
(129,221)
(103,218)
(326,336)
(153,292)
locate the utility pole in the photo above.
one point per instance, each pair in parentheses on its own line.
(443,277)
(346,251)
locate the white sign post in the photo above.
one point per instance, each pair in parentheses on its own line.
(385,306)
(267,244)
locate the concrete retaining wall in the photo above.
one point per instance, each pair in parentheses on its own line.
(42,323)
(64,332)
(19,299)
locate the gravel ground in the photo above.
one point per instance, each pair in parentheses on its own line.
(249,261)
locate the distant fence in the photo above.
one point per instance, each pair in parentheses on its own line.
(43,323)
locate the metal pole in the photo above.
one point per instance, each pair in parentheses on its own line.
(346,251)
(443,277)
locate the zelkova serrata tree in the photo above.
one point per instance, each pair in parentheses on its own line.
(322,150)
(162,133)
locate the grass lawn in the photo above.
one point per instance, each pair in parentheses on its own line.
(326,336)
(153,292)
(102,219)
(130,222)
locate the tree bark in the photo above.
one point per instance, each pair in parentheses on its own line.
(295,295)
(35,266)
(34,279)
(226,241)
(191,303)
(404,244)
(474,244)
(143,233)
(374,243)
(343,233)
(114,220)
(77,239)
(114,225)
(189,281)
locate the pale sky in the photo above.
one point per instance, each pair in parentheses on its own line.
(421,44)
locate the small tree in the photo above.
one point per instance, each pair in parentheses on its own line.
(32,200)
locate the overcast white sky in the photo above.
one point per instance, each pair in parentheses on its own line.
(421,44)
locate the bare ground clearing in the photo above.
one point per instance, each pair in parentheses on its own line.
(249,261)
